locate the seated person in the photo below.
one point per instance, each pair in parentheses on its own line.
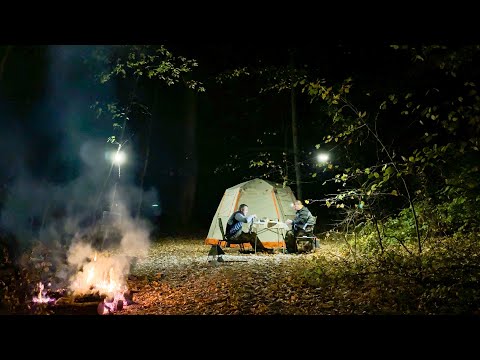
(301,225)
(235,234)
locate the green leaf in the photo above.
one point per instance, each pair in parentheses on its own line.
(390,170)
(394,193)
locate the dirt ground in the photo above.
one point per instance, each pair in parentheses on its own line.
(178,278)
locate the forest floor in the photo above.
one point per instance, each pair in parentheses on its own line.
(177,278)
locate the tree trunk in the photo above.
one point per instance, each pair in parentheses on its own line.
(4,60)
(293,103)
(286,147)
(295,145)
(145,166)
(190,160)
(147,156)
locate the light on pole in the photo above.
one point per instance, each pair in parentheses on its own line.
(322,157)
(119,158)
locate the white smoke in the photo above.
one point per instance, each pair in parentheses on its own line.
(106,271)
(55,185)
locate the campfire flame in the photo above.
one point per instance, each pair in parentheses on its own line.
(41,297)
(91,271)
(105,275)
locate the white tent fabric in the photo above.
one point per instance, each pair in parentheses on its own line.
(264,198)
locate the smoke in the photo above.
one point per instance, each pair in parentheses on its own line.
(56,186)
(106,272)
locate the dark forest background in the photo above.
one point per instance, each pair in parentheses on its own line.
(211,115)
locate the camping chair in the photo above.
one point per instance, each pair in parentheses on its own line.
(224,238)
(308,239)
(216,253)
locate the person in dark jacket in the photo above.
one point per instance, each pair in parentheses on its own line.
(235,234)
(301,225)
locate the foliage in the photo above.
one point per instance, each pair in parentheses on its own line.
(136,62)
(443,280)
(444,123)
(271,78)
(152,62)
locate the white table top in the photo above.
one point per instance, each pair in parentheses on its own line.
(271,224)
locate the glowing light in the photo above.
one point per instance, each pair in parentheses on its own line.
(323,157)
(91,274)
(155,205)
(41,298)
(119,158)
(105,275)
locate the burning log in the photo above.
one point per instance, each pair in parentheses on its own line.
(98,286)
(88,298)
(86,308)
(42,296)
(105,308)
(116,303)
(77,305)
(88,304)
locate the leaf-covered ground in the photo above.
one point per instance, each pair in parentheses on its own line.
(177,278)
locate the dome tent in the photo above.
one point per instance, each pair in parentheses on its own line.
(264,198)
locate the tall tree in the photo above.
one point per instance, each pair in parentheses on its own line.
(296,157)
(4,60)
(190,160)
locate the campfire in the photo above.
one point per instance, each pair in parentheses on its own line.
(89,272)
(100,279)
(104,275)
